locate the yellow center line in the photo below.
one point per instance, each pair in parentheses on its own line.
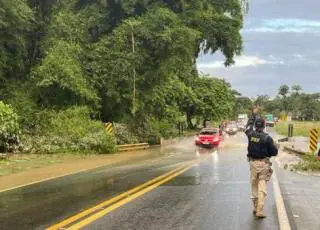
(112,200)
(122,202)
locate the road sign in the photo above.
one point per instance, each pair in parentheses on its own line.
(109,127)
(283,117)
(314,136)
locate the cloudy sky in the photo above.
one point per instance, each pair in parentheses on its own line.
(281,46)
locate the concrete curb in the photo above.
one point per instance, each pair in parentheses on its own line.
(281,209)
(293,150)
(285,139)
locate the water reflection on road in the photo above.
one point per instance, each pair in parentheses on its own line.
(202,197)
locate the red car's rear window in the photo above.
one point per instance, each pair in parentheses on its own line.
(208,132)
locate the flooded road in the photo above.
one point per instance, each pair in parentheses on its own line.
(204,189)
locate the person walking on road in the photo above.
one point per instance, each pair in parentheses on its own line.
(260,149)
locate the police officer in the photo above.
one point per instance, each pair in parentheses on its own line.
(260,149)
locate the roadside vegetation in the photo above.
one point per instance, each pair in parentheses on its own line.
(301,106)
(68,66)
(309,164)
(300,128)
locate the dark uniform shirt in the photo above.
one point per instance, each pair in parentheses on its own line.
(260,144)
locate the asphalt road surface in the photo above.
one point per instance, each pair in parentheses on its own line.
(180,187)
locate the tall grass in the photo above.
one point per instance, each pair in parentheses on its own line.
(300,128)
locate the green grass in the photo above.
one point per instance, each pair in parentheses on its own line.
(300,128)
(309,163)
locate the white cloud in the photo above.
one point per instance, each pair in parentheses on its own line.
(284,26)
(298,57)
(241,61)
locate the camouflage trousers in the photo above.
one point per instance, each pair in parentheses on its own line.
(260,174)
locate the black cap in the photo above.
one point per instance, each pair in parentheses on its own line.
(260,123)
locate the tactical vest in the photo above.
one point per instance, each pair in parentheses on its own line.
(258,145)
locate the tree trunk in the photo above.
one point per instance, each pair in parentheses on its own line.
(189,121)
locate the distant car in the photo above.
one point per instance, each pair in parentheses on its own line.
(232,129)
(269,120)
(243,118)
(232,123)
(209,137)
(241,126)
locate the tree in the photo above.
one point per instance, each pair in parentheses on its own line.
(243,105)
(261,100)
(69,53)
(308,106)
(273,106)
(294,100)
(296,89)
(245,6)
(16,19)
(215,99)
(60,80)
(284,90)
(166,46)
(303,106)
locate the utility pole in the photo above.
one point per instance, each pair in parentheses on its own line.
(134,72)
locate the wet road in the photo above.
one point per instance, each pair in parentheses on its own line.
(213,193)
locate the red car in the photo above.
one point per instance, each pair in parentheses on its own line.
(209,137)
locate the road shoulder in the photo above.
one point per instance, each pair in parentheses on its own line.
(70,166)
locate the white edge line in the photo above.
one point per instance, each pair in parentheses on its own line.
(281,209)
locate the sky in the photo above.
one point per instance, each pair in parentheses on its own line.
(281,45)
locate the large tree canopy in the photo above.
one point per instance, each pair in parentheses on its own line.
(119,58)
(16,21)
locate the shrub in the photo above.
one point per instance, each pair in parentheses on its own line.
(146,128)
(99,142)
(168,129)
(9,128)
(124,135)
(20,97)
(309,163)
(150,130)
(70,130)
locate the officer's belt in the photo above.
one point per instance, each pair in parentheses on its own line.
(267,159)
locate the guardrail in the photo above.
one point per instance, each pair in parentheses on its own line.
(3,156)
(130,147)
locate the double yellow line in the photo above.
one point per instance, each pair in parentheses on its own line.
(88,216)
